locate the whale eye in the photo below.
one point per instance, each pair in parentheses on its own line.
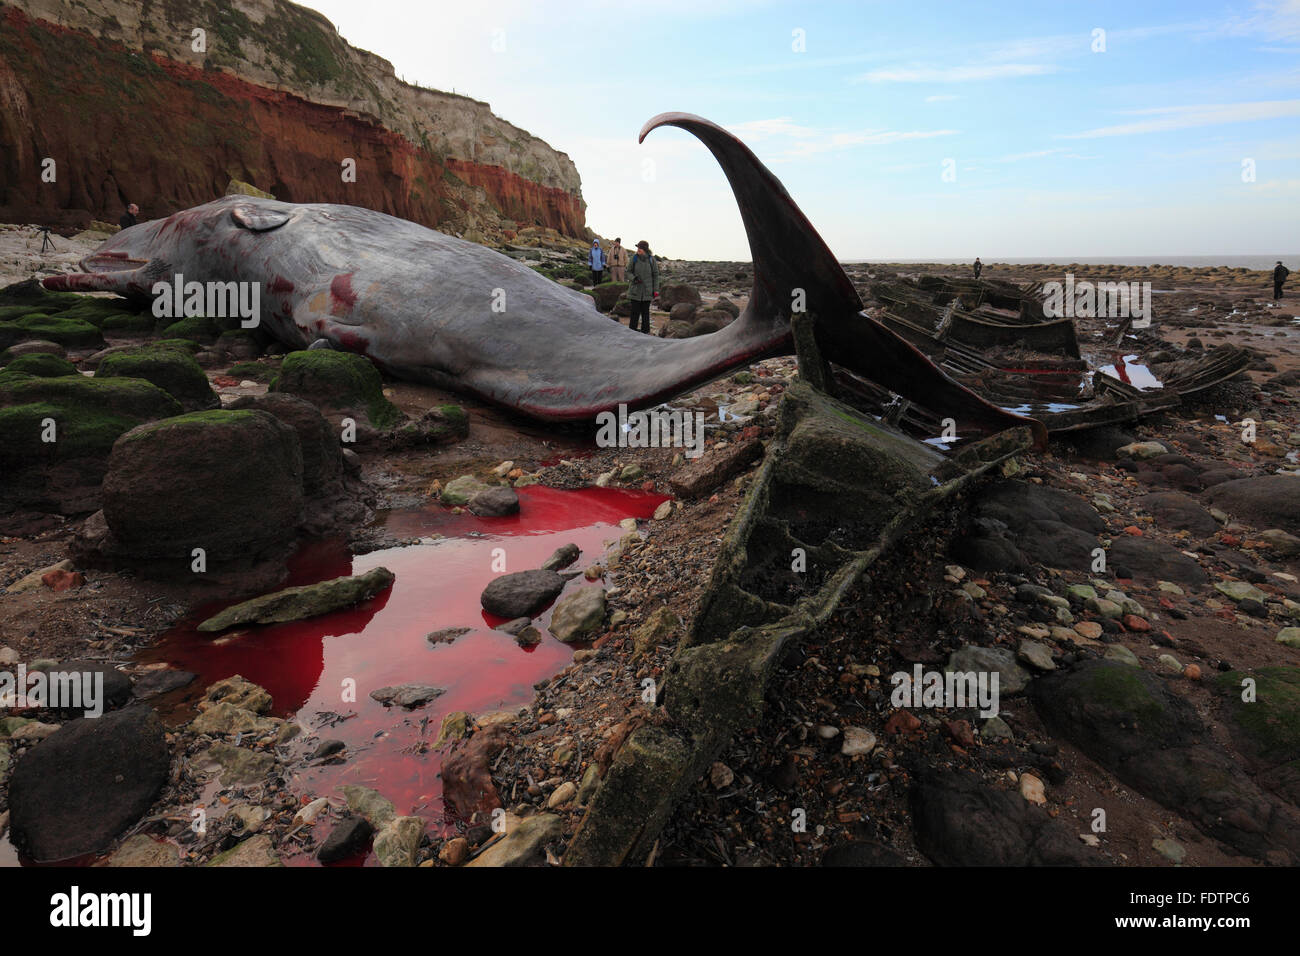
(258,218)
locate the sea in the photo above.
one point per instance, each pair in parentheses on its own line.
(1292,261)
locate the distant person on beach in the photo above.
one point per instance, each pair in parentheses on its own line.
(644,286)
(978,267)
(597,261)
(128,218)
(1280,272)
(617,260)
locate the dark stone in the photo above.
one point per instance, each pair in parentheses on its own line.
(522,593)
(1178,512)
(81,787)
(1147,560)
(322,456)
(564,556)
(116,687)
(961,821)
(447,635)
(327,748)
(164,681)
(1271,501)
(495,502)
(348,838)
(1130,722)
(229,482)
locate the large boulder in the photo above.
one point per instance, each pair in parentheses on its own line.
(1272,501)
(961,821)
(1016,524)
(1148,560)
(77,790)
(42,365)
(1133,724)
(1175,511)
(343,381)
(677,294)
(70,333)
(607,293)
(84,418)
(229,482)
(322,455)
(173,370)
(522,593)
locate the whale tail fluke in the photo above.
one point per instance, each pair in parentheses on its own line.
(794,270)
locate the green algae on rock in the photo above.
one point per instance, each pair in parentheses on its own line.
(309,600)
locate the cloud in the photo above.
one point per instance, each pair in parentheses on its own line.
(808,141)
(1167,118)
(1036,154)
(953,74)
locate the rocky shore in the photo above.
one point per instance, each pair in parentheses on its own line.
(1121,685)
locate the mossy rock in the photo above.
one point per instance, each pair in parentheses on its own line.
(607,294)
(10,312)
(127,397)
(196,329)
(230,482)
(42,365)
(98,311)
(1270,724)
(70,333)
(342,380)
(79,433)
(173,370)
(31,292)
(127,322)
(188,345)
(443,423)
(254,371)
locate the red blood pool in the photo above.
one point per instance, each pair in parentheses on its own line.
(304,664)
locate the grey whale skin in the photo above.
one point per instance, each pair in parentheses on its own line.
(419,303)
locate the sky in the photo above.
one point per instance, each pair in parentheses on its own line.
(919,129)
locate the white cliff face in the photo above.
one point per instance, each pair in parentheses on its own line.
(290,48)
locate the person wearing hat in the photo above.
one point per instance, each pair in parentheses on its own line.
(1280,272)
(596,259)
(617,260)
(643,286)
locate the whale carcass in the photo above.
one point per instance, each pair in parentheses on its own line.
(428,307)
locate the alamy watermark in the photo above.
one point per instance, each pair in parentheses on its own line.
(946,689)
(653,429)
(1101,300)
(54,690)
(214,300)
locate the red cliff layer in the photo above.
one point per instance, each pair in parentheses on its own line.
(124,126)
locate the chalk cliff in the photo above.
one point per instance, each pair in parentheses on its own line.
(114,93)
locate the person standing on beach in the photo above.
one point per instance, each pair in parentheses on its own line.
(643,287)
(597,261)
(978,267)
(128,218)
(617,260)
(1280,272)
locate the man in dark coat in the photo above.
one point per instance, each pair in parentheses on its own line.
(1280,272)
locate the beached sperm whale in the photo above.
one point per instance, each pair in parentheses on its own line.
(428,307)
